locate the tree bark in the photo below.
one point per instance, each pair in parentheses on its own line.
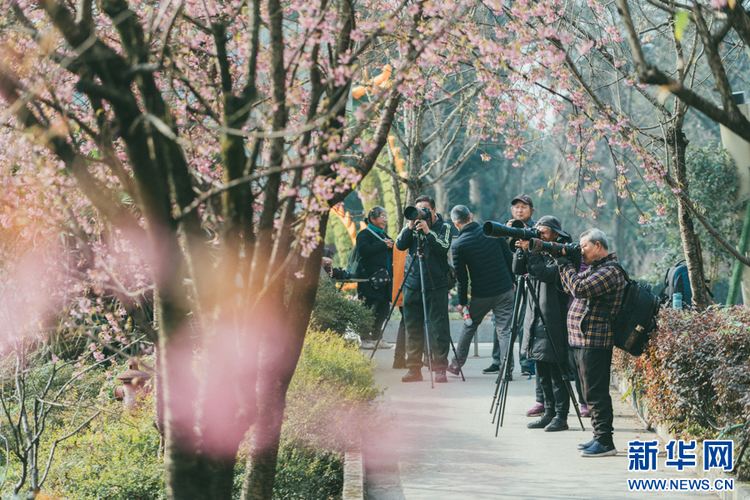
(677,144)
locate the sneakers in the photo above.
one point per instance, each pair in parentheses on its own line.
(492,369)
(557,424)
(440,376)
(383,344)
(541,423)
(584,410)
(454,369)
(367,344)
(414,375)
(599,450)
(536,411)
(399,363)
(583,446)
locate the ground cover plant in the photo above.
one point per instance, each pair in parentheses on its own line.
(695,375)
(119,454)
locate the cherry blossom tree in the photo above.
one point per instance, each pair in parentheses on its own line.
(192,150)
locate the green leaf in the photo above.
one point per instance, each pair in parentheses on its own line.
(681,19)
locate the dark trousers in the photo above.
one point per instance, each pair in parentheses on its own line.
(400,351)
(379,308)
(556,399)
(437,315)
(538,392)
(593,369)
(574,368)
(502,315)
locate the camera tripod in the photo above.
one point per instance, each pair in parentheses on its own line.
(501,388)
(427,333)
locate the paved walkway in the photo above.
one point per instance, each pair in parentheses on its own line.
(440,444)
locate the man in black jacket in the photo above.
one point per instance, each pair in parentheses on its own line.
(376,254)
(434,234)
(488,262)
(545,336)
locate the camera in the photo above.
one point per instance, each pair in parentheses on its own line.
(516,232)
(572,250)
(413,213)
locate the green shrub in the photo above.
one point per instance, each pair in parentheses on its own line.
(117,458)
(338,312)
(329,404)
(304,472)
(330,399)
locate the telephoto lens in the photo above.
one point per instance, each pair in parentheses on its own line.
(497,230)
(554,249)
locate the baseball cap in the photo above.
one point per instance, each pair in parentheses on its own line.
(524,198)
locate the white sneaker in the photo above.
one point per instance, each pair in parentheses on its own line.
(384,345)
(367,344)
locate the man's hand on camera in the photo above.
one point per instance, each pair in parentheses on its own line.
(423,226)
(522,244)
(411,224)
(562,259)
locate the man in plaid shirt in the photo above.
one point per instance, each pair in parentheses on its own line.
(598,295)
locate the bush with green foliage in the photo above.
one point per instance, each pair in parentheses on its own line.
(117,458)
(695,374)
(330,398)
(339,312)
(330,402)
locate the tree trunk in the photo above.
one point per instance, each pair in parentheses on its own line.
(677,145)
(280,352)
(414,154)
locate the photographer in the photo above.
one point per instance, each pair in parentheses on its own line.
(598,294)
(434,234)
(522,208)
(376,252)
(544,324)
(488,262)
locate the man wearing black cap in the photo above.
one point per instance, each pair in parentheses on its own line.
(522,208)
(545,337)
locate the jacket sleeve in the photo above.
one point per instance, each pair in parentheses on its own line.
(591,283)
(405,238)
(369,244)
(538,268)
(440,241)
(462,275)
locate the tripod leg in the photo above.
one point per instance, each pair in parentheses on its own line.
(460,369)
(566,379)
(503,378)
(428,347)
(514,325)
(393,306)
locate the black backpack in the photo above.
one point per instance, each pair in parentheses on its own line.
(637,316)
